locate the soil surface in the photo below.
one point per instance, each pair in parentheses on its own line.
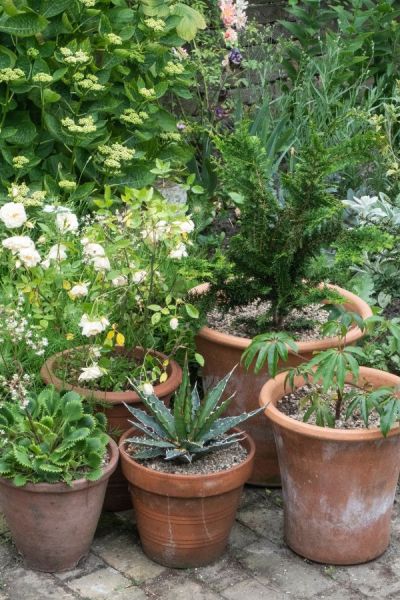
(303,324)
(295,405)
(215,461)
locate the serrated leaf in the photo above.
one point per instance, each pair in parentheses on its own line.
(23,24)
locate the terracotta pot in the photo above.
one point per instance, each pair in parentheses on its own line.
(112,404)
(222,352)
(185,520)
(53,524)
(338,485)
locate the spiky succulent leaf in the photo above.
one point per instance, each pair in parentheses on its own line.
(160,412)
(183,405)
(149,422)
(223,425)
(209,403)
(140,441)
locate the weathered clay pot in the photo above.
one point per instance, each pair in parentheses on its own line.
(53,524)
(185,520)
(222,352)
(112,404)
(338,485)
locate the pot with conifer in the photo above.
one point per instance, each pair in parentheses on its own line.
(267,278)
(336,426)
(186,470)
(56,460)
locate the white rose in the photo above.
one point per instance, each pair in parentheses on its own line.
(139,276)
(67,221)
(13,215)
(91,373)
(29,257)
(119,281)
(179,252)
(17,242)
(57,252)
(90,249)
(185,226)
(49,208)
(174,323)
(101,263)
(147,389)
(93,326)
(80,290)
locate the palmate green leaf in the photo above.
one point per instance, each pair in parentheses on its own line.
(389,415)
(23,24)
(191,21)
(270,348)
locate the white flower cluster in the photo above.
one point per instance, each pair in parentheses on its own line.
(155,24)
(66,221)
(67,184)
(79,57)
(8,74)
(82,125)
(17,327)
(93,326)
(132,117)
(114,39)
(114,156)
(79,290)
(95,255)
(17,387)
(24,248)
(21,193)
(88,3)
(42,78)
(171,136)
(174,68)
(148,93)
(89,82)
(20,161)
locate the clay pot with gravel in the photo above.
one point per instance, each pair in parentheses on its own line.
(114,405)
(338,483)
(186,472)
(222,351)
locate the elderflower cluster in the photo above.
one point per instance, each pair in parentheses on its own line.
(20,161)
(67,184)
(88,3)
(148,93)
(132,117)
(74,58)
(155,24)
(114,156)
(21,193)
(114,39)
(8,74)
(171,136)
(89,82)
(42,78)
(174,68)
(82,125)
(32,52)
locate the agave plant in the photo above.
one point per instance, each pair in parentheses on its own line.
(193,428)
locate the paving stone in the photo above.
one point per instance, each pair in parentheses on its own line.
(222,574)
(339,593)
(241,536)
(374,579)
(106,584)
(254,590)
(181,588)
(124,553)
(91,563)
(266,522)
(22,584)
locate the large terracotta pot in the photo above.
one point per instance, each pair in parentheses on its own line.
(338,485)
(113,405)
(53,524)
(185,520)
(222,352)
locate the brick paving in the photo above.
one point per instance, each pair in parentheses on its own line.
(256,566)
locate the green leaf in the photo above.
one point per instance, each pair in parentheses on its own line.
(192,311)
(199,359)
(21,456)
(51,8)
(24,24)
(76,435)
(191,21)
(19,480)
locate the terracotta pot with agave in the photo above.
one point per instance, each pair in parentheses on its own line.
(267,271)
(186,470)
(56,460)
(336,427)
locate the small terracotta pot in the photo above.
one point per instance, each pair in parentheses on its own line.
(117,496)
(53,524)
(338,485)
(185,520)
(222,352)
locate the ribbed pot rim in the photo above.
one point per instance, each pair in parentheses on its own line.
(274,389)
(130,397)
(309,346)
(171,477)
(76,485)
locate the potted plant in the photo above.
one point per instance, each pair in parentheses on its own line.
(338,439)
(56,460)
(185,486)
(98,299)
(268,276)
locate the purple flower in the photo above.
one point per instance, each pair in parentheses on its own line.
(181,126)
(219,112)
(235,57)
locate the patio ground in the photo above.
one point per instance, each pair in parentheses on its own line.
(256,566)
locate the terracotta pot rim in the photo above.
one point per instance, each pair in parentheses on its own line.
(76,485)
(170,477)
(314,431)
(241,343)
(129,397)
